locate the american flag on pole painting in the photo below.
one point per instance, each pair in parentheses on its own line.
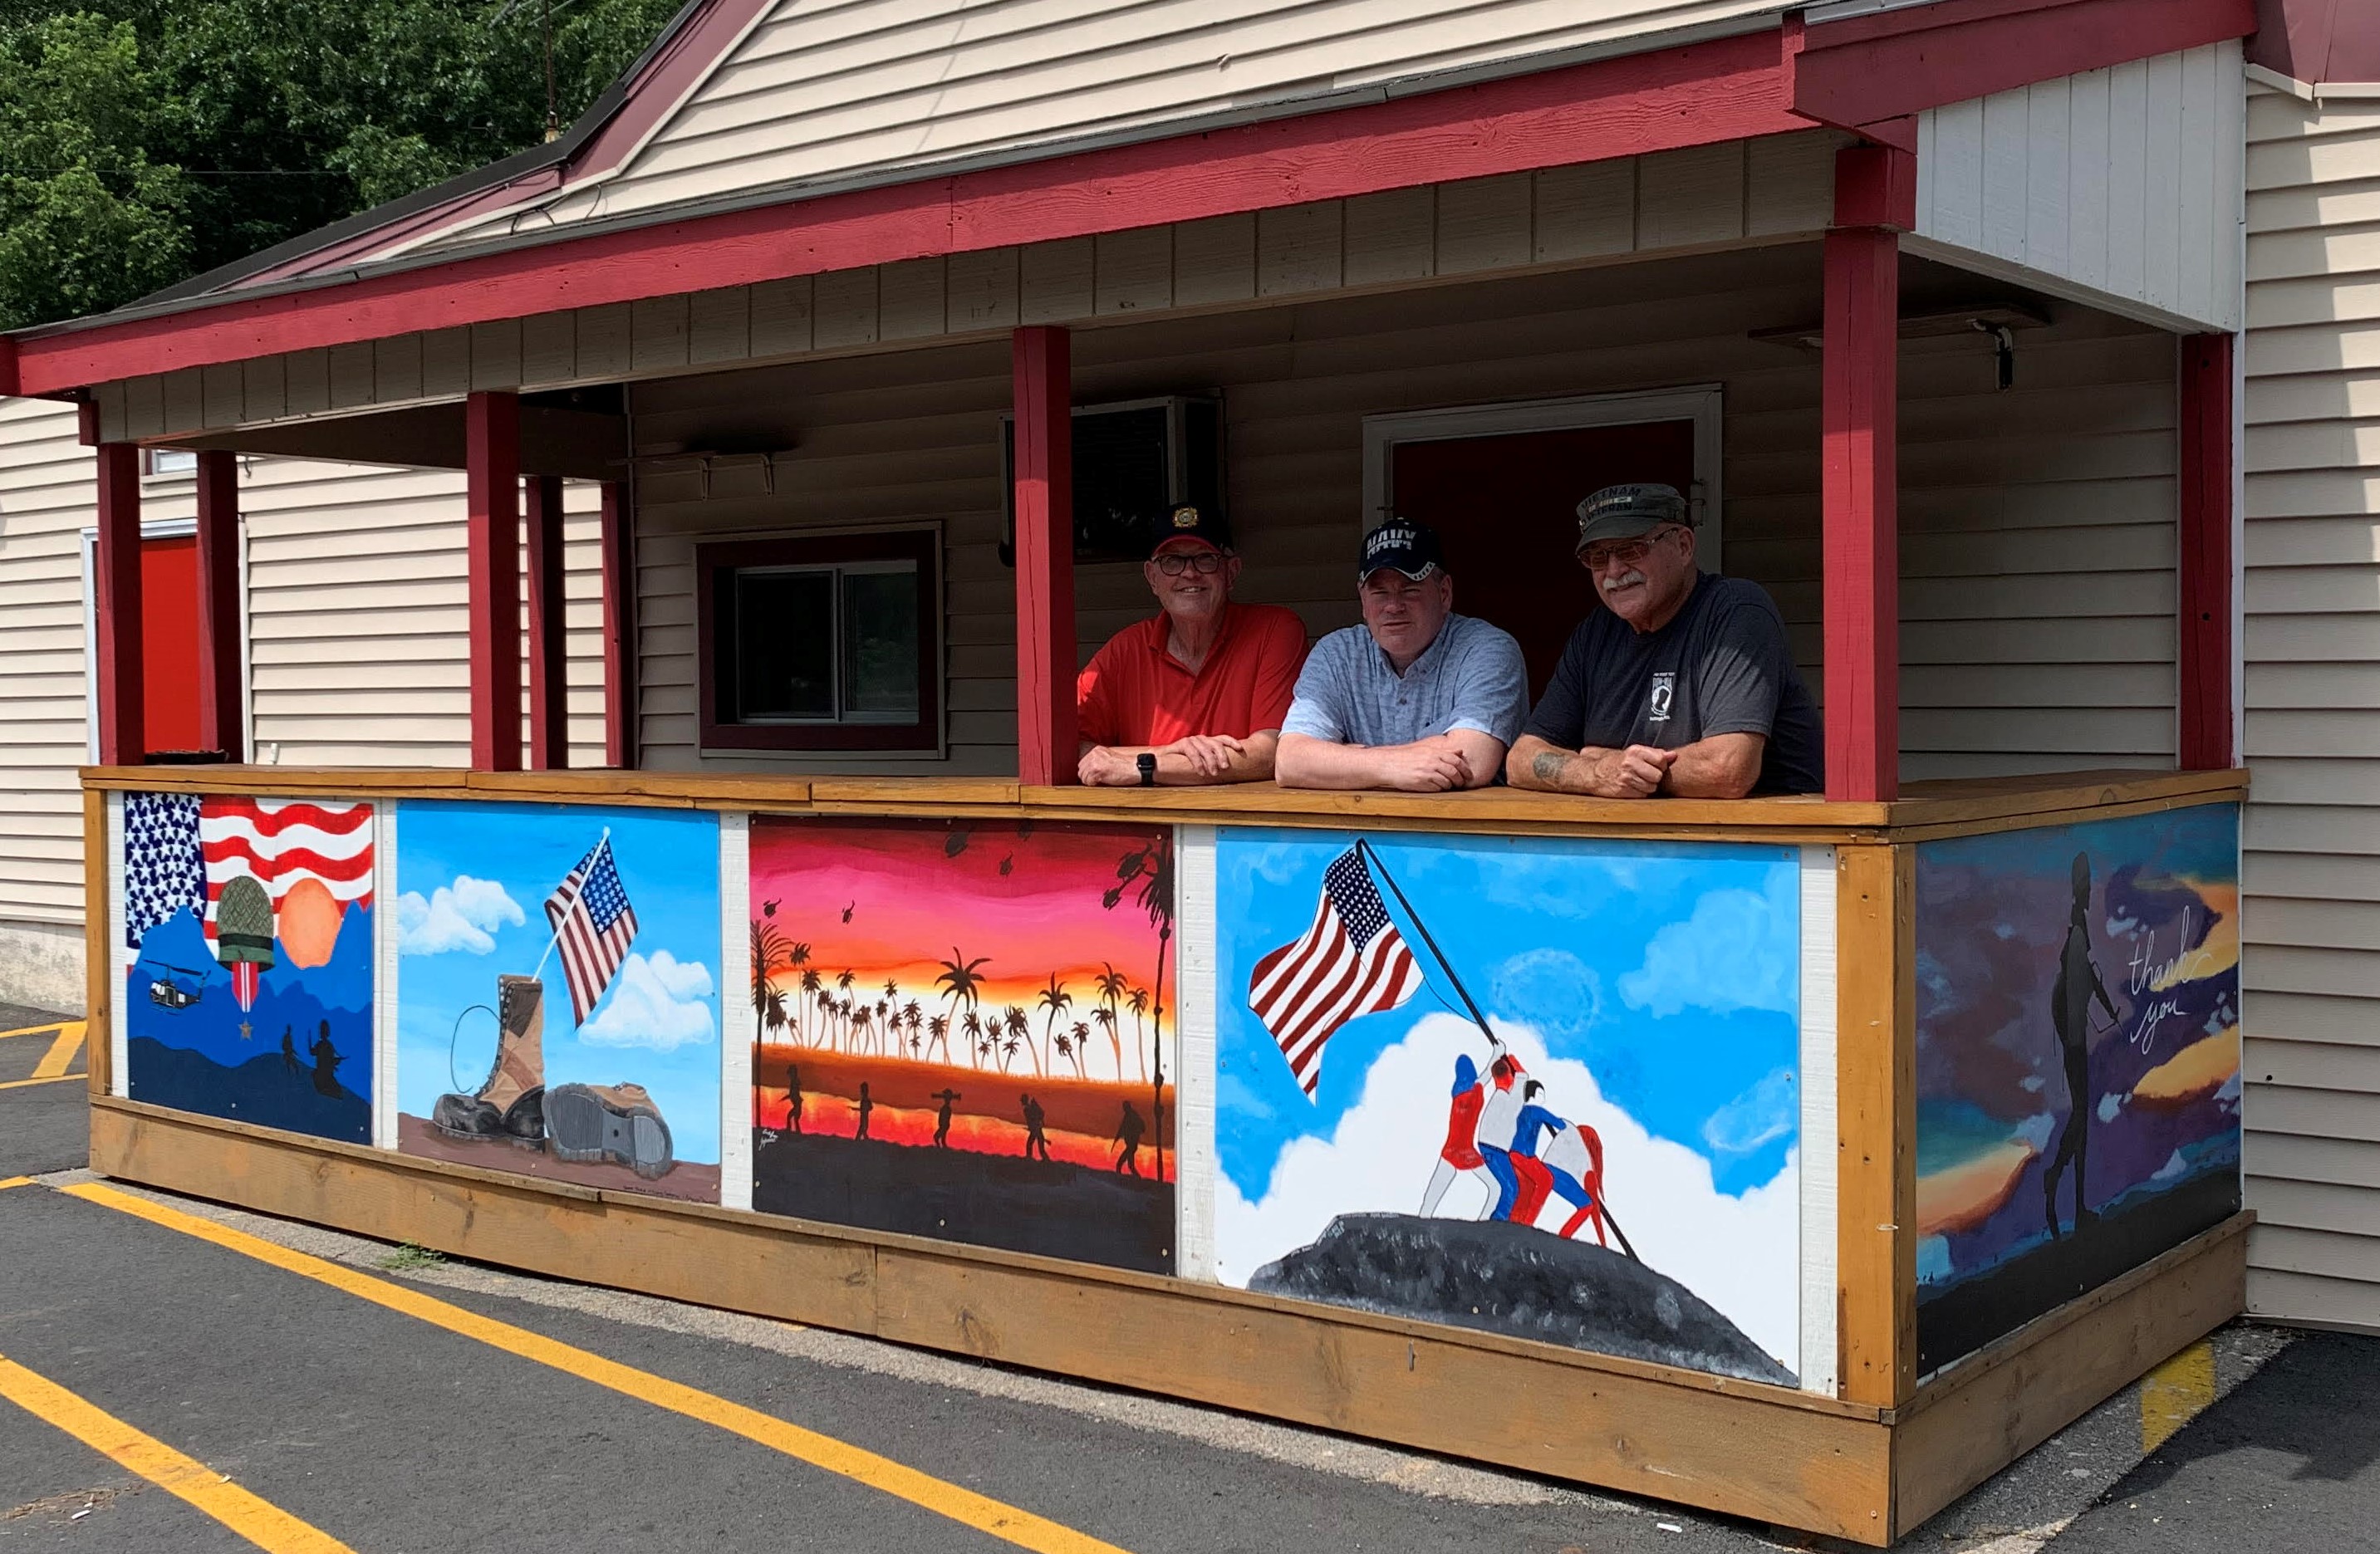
(1352,961)
(592,925)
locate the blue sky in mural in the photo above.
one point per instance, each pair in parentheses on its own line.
(472,881)
(1672,972)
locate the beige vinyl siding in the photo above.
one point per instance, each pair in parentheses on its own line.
(825,90)
(47,490)
(2312,552)
(2038,523)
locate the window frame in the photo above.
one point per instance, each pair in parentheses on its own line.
(715,565)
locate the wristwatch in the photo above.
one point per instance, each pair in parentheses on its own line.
(1146,761)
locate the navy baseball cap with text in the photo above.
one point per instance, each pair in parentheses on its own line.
(1403,544)
(1630,512)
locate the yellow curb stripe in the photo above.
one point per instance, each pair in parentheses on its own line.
(258,1520)
(2175,1393)
(21,1084)
(8,1182)
(48,1029)
(62,1051)
(964,1506)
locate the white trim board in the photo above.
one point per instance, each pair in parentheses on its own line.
(739,1025)
(1194,1160)
(1819,1297)
(1699,403)
(385,952)
(120,958)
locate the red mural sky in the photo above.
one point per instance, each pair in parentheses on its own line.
(895,900)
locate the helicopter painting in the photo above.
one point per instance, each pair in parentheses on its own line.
(168,993)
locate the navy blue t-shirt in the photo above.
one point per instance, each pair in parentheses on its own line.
(1722,665)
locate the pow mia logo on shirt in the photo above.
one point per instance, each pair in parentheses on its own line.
(1665,689)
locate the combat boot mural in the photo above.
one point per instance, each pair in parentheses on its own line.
(510,1103)
(622,1090)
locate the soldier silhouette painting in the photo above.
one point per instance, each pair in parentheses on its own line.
(2070,998)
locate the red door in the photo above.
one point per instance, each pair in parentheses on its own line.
(169,643)
(1507,508)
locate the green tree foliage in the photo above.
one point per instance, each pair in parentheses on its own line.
(145,140)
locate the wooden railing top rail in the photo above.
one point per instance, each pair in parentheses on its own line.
(1926,809)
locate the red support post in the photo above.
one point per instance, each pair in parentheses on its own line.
(491,481)
(1045,557)
(220,675)
(2208,701)
(1859,437)
(116,569)
(619,627)
(549,651)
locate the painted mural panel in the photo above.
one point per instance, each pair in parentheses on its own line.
(248,992)
(1546,1087)
(2077,1061)
(557,992)
(966,1031)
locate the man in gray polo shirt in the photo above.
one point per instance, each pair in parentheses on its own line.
(1417,698)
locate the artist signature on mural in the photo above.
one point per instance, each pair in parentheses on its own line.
(2146,972)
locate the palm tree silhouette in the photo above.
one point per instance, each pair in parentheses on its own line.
(937,1031)
(1138,1002)
(976,1048)
(768,957)
(844,981)
(1111,984)
(1081,1044)
(811,987)
(1055,1001)
(962,985)
(1106,1019)
(1016,1027)
(1150,866)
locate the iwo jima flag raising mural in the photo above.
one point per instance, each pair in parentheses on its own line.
(1633,1041)
(248,989)
(624,1091)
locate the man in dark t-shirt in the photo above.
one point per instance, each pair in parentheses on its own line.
(1682,685)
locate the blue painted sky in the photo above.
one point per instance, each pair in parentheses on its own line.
(472,880)
(1672,970)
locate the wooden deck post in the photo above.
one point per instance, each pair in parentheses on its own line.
(619,627)
(115,580)
(1874,202)
(549,655)
(222,677)
(1876,1109)
(2207,698)
(1045,557)
(492,459)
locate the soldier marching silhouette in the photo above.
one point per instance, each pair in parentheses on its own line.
(943,1118)
(867,1109)
(1035,1139)
(2070,1012)
(1129,1133)
(793,1101)
(290,1054)
(326,1063)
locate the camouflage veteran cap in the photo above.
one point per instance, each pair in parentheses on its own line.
(1628,512)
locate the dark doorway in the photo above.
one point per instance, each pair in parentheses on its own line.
(1507,505)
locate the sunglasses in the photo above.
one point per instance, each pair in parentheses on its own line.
(1627,552)
(1204,562)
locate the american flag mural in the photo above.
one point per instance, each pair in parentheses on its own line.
(592,926)
(1352,961)
(181,850)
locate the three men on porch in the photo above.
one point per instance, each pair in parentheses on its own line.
(1196,694)
(1682,685)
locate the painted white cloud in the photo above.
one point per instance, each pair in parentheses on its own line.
(663,1003)
(1738,950)
(463,916)
(1741,1254)
(1762,1115)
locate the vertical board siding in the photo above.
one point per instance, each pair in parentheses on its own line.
(2311,557)
(877,86)
(2039,523)
(2123,181)
(355,606)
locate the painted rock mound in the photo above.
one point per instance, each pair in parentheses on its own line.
(1509,1279)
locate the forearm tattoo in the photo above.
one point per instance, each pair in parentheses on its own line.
(1547,767)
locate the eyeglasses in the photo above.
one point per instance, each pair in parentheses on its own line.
(1627,552)
(1204,562)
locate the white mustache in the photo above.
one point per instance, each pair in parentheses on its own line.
(1625,581)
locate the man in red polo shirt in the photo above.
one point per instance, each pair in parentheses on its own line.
(1196,694)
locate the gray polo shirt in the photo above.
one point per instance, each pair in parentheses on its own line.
(1471,677)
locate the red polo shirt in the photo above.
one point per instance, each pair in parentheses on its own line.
(1135,693)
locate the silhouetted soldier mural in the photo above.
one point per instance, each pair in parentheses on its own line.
(290,1054)
(867,1109)
(943,1118)
(793,1101)
(2070,1012)
(326,1063)
(1129,1134)
(1034,1137)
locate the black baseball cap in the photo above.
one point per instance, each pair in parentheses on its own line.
(1401,543)
(1189,522)
(1628,512)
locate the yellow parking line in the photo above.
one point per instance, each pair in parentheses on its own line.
(32,1030)
(2175,1393)
(62,1051)
(258,1520)
(964,1506)
(8,1182)
(47,1079)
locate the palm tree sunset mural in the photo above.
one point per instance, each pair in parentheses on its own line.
(963,1031)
